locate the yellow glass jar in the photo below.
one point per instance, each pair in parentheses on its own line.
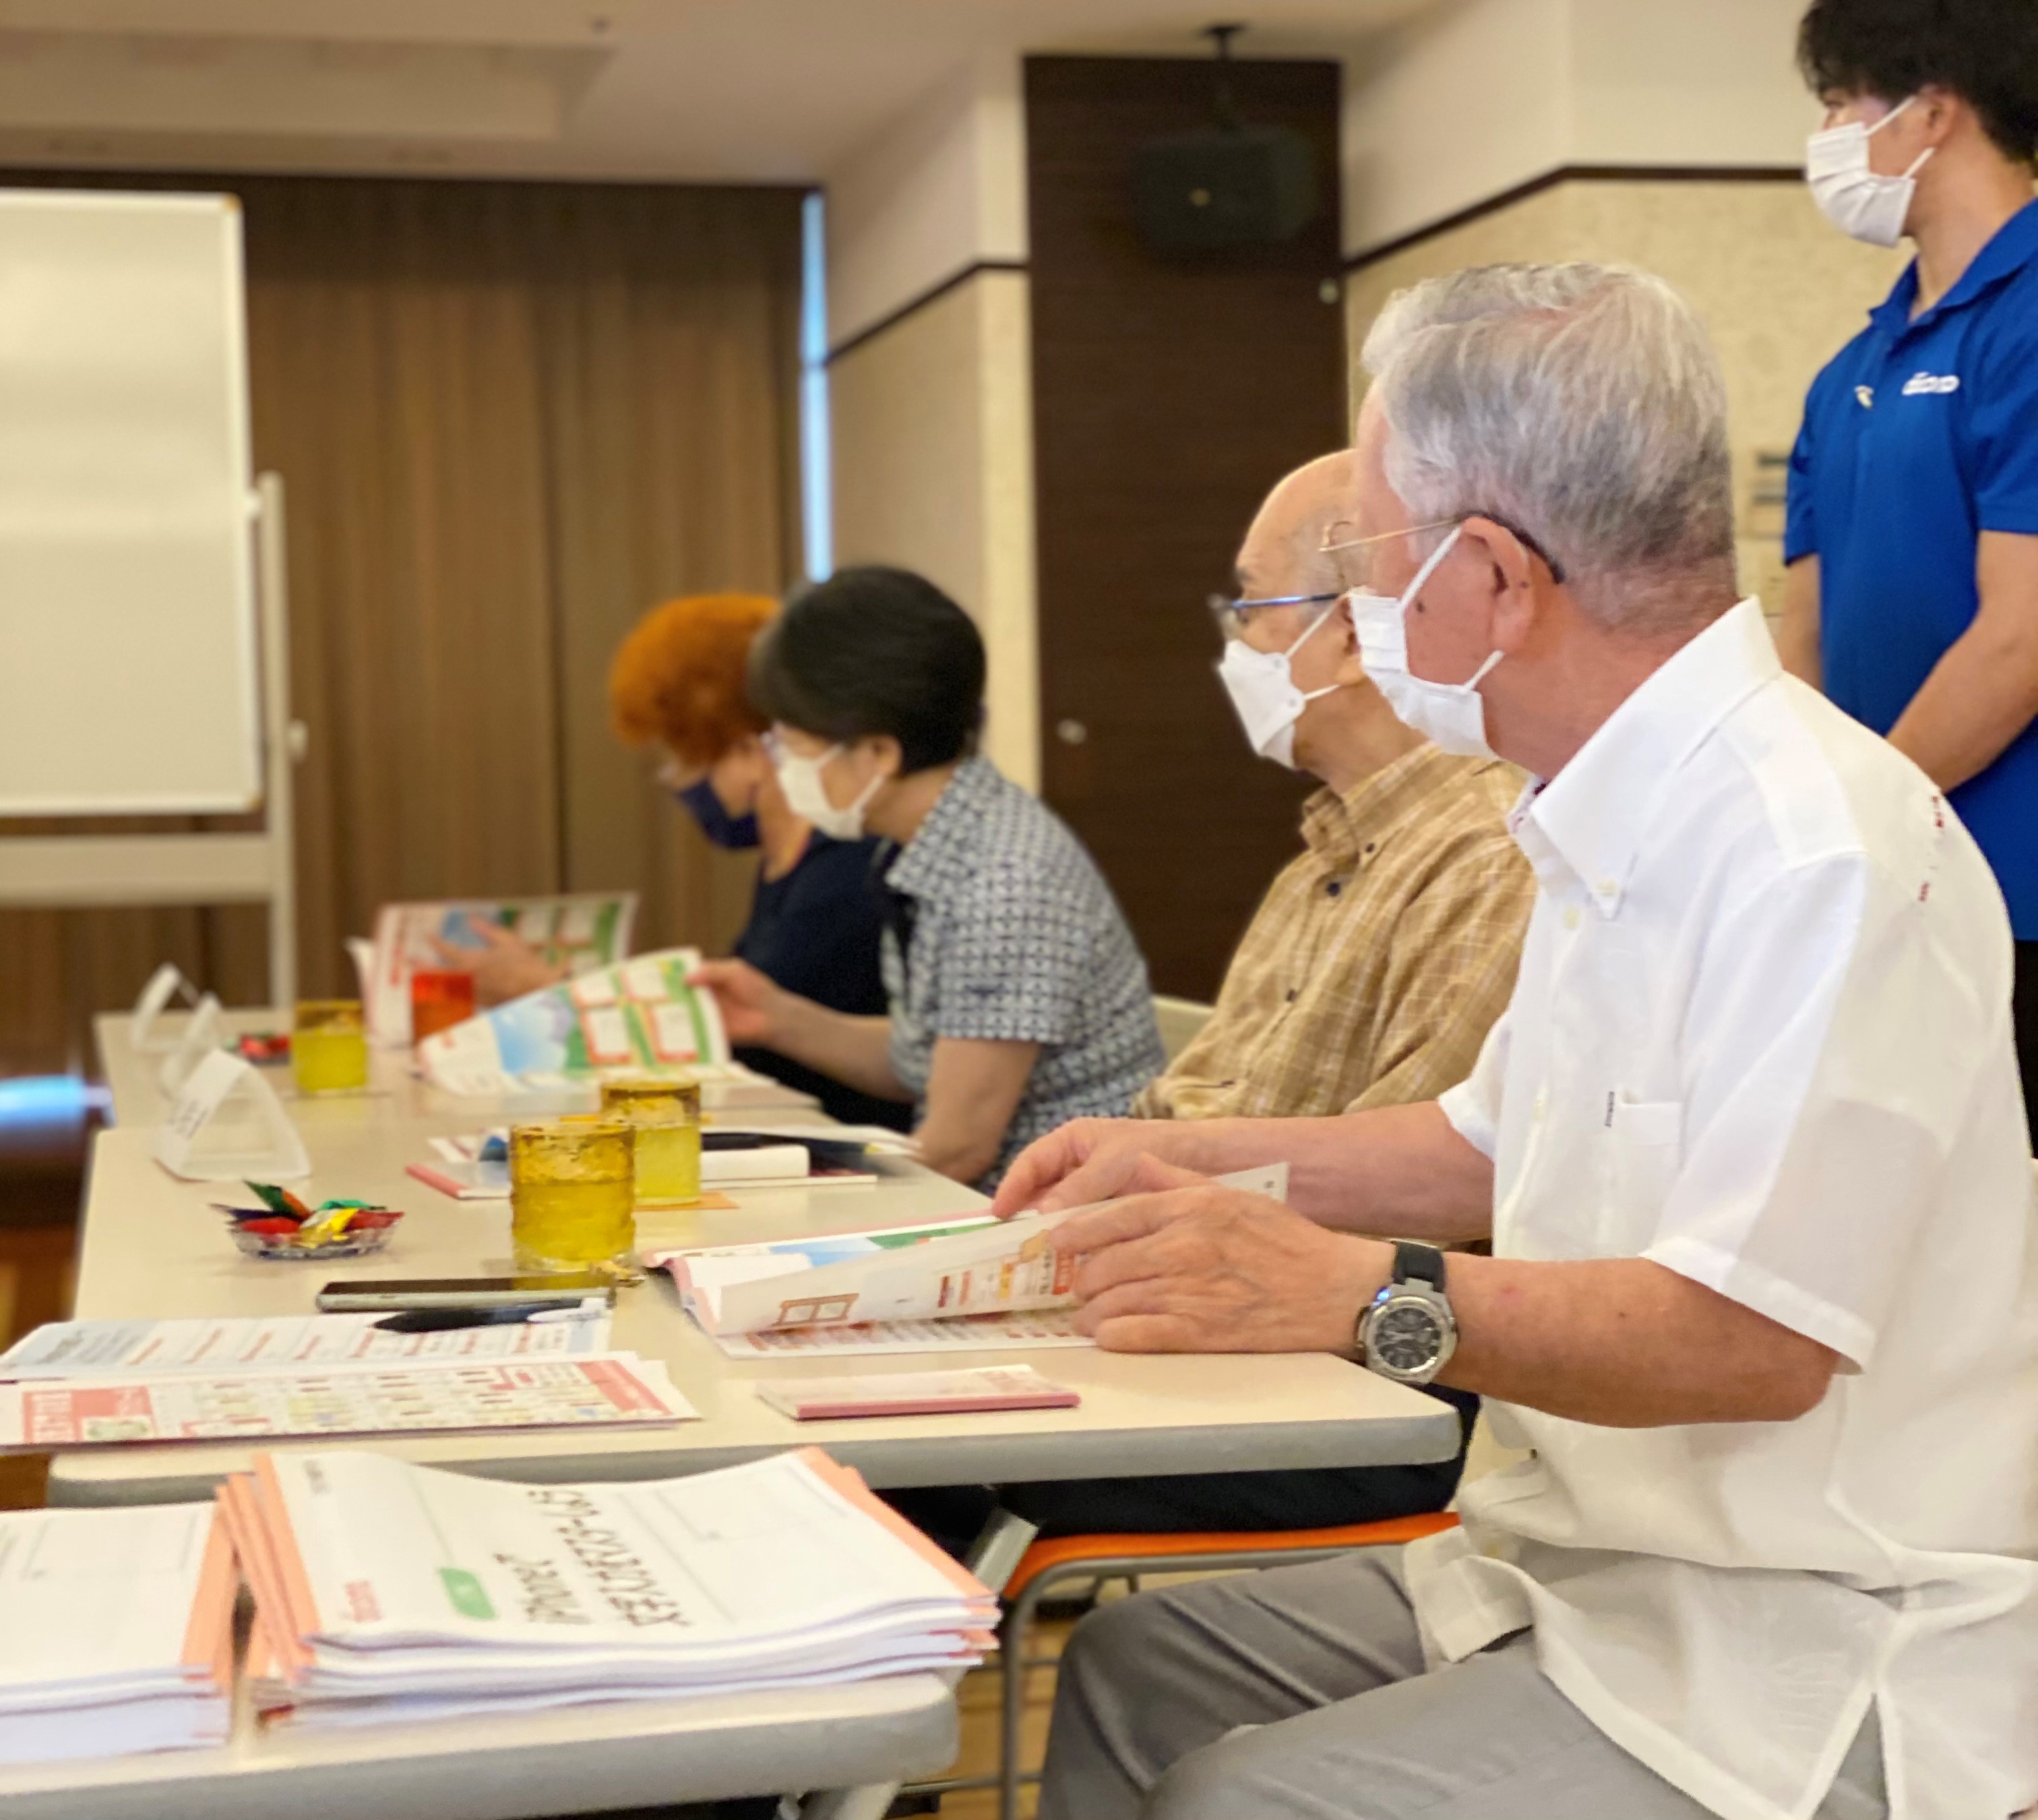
(572,1190)
(665,1115)
(329,1046)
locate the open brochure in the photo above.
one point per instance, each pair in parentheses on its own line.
(637,1015)
(579,932)
(119,1636)
(385,1590)
(964,1268)
(612,1390)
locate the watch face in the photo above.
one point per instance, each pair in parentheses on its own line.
(1406,1335)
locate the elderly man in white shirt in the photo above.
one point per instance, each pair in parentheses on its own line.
(1750,1147)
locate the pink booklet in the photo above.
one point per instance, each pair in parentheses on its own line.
(916,1393)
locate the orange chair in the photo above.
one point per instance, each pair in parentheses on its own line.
(1048,1563)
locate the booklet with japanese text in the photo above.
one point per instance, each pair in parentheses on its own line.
(579,932)
(963,1268)
(385,1590)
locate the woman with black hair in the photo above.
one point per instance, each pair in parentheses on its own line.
(1018,999)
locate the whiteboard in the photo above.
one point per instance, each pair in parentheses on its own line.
(127,642)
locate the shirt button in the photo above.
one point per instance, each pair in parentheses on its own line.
(1571,918)
(1335,886)
(1541,1106)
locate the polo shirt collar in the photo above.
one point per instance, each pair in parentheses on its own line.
(932,861)
(1338,828)
(1594,814)
(2012,247)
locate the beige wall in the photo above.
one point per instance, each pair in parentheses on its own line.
(940,188)
(1470,98)
(1779,289)
(933,471)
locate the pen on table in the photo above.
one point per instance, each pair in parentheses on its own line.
(444,1319)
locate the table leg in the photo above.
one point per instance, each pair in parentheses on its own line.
(993,1557)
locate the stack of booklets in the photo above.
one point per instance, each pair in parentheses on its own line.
(118,1632)
(384,1590)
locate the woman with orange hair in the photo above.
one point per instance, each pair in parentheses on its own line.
(678,685)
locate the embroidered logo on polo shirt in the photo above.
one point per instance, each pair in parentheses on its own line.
(1920,383)
(1865,395)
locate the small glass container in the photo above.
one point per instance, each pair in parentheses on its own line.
(440,998)
(572,1191)
(664,1113)
(329,1046)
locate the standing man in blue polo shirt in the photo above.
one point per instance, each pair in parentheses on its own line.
(1913,534)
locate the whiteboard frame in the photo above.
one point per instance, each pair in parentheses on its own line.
(240,503)
(76,871)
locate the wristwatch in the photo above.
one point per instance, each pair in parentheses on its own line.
(1408,1331)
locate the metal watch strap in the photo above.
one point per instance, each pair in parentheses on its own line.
(1414,1263)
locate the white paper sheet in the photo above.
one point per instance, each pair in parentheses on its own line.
(98,1348)
(607,1390)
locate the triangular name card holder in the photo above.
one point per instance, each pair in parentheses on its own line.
(166,983)
(203,1033)
(228,1125)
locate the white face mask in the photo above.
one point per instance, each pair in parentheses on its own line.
(1262,688)
(1856,200)
(1451,715)
(807,796)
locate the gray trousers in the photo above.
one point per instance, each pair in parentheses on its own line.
(1324,1664)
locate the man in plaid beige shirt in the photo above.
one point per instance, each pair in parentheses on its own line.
(1370,977)
(1385,951)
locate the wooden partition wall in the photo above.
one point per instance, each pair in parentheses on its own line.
(1169,394)
(509,418)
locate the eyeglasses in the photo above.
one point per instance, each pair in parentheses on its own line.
(1357,569)
(1232,616)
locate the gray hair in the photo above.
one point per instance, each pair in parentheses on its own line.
(1580,404)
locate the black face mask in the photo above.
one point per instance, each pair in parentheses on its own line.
(736,832)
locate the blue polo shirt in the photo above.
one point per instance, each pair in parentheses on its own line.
(1917,437)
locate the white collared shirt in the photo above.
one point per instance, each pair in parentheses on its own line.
(1761,1036)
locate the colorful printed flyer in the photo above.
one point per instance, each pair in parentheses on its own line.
(579,932)
(641,1016)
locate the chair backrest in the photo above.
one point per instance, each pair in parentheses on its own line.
(1180,1020)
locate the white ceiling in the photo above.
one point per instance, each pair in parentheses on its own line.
(707,90)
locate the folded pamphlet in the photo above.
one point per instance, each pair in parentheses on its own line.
(385,1590)
(119,1636)
(915,1394)
(724,1087)
(474,1165)
(578,933)
(968,1268)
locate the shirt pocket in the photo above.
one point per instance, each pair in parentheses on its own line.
(1639,1160)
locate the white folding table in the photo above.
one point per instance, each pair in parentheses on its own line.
(153,1246)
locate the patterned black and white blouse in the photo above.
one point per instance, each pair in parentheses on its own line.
(1005,931)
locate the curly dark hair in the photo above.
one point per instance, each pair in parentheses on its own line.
(1986,51)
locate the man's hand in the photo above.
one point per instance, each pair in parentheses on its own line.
(1180,1265)
(753,1009)
(504,967)
(1092,1159)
